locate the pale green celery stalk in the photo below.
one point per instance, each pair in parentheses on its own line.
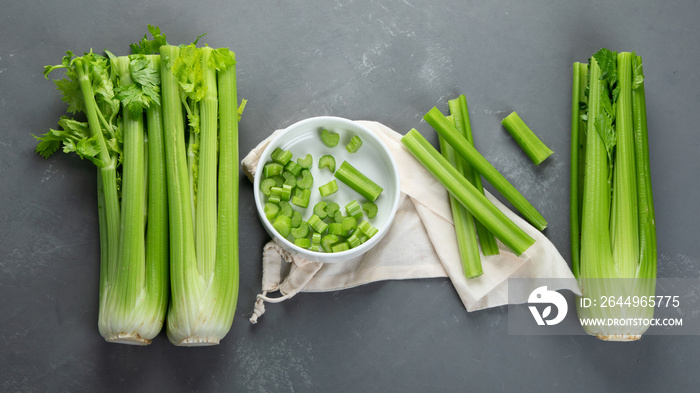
(578,142)
(460,112)
(465,149)
(476,203)
(464,223)
(624,226)
(185,291)
(205,203)
(647,226)
(531,144)
(136,295)
(226,281)
(157,233)
(108,196)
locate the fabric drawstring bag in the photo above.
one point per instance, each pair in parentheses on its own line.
(421,243)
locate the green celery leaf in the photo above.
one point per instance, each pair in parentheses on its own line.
(222,58)
(146,46)
(637,71)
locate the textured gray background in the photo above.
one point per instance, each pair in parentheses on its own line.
(389,61)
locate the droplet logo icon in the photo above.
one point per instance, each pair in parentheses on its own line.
(543,296)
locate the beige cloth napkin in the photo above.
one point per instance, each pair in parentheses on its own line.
(420,244)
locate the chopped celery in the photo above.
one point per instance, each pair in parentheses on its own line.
(336,228)
(271,210)
(282,224)
(353,240)
(301,231)
(296,219)
(303,242)
(477,204)
(306,162)
(330,138)
(349,223)
(331,208)
(281,156)
(316,241)
(327,161)
(328,241)
(354,209)
(293,168)
(317,224)
(528,141)
(338,216)
(289,179)
(354,144)
(272,168)
(342,246)
(370,209)
(286,209)
(329,188)
(461,145)
(301,197)
(265,185)
(367,229)
(279,180)
(320,209)
(356,180)
(307,179)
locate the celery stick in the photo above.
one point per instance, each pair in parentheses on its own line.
(460,114)
(465,149)
(475,202)
(339,247)
(465,230)
(281,156)
(306,162)
(356,180)
(320,209)
(528,141)
(578,141)
(307,179)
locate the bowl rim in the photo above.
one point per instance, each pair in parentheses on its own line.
(326,257)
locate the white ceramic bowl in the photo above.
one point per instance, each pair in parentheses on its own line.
(373,159)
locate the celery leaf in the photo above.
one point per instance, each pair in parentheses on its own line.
(146,46)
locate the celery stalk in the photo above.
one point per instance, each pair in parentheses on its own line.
(476,203)
(460,113)
(578,141)
(465,230)
(462,146)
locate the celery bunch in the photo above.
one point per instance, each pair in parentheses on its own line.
(122,135)
(167,194)
(613,235)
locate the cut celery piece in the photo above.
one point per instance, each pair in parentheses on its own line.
(296,219)
(306,162)
(354,209)
(301,231)
(301,197)
(356,180)
(528,141)
(328,241)
(317,224)
(370,209)
(329,188)
(336,228)
(349,223)
(303,242)
(307,179)
(282,225)
(289,179)
(320,209)
(331,208)
(342,246)
(265,185)
(293,168)
(354,144)
(271,210)
(271,169)
(327,161)
(281,156)
(330,138)
(286,209)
